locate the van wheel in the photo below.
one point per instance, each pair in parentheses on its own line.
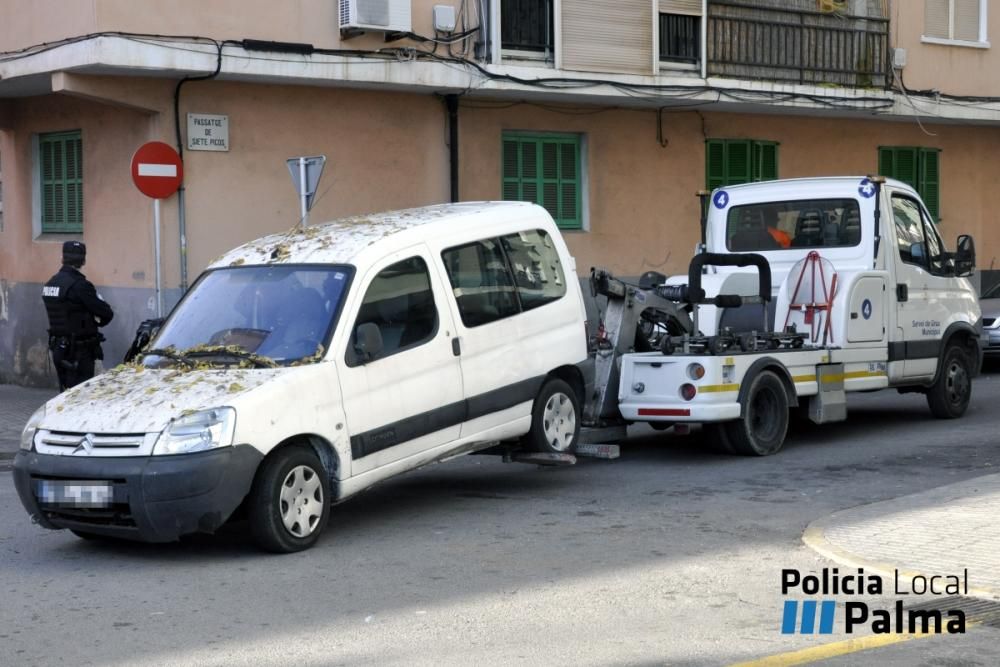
(289,502)
(948,397)
(555,423)
(762,428)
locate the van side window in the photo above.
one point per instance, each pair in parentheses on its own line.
(481,282)
(909,231)
(538,272)
(400,302)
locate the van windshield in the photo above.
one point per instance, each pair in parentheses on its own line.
(254,315)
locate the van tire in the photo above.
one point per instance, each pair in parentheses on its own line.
(555,419)
(761,429)
(289,489)
(948,397)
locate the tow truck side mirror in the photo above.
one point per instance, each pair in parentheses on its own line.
(368,342)
(965,255)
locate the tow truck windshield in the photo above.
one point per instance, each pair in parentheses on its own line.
(253,315)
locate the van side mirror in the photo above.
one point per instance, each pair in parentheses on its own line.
(917,251)
(368,342)
(965,255)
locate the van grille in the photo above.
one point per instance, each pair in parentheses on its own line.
(71,441)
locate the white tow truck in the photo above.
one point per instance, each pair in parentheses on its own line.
(804,290)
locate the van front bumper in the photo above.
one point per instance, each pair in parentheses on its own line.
(154,498)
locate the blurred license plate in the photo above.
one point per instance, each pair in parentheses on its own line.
(68,493)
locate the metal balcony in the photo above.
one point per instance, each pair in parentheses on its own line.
(759,41)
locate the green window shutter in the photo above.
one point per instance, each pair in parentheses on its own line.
(886,163)
(545,169)
(765,161)
(715,163)
(739,162)
(61,167)
(929,185)
(905,165)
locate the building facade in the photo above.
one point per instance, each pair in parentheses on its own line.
(611,115)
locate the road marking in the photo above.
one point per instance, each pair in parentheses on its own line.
(832,650)
(165,170)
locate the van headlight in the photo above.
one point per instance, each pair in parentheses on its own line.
(197,432)
(28,434)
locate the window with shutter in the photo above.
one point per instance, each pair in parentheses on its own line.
(735,161)
(61,182)
(955,20)
(917,167)
(545,169)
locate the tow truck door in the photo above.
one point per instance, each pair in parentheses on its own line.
(920,308)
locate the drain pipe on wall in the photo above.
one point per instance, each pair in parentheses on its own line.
(452,103)
(181,215)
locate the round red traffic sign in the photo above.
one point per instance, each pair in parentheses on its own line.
(157,170)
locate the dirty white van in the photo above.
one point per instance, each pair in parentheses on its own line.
(306,366)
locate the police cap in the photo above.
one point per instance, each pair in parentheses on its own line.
(73,251)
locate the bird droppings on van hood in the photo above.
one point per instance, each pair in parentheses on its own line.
(339,241)
(134,399)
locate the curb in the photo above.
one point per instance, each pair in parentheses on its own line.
(815,538)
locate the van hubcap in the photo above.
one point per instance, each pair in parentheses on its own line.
(559,421)
(301,501)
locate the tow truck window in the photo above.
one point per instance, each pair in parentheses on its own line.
(917,238)
(811,223)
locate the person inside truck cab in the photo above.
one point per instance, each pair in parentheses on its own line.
(752,232)
(771,221)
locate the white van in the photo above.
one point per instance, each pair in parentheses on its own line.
(304,367)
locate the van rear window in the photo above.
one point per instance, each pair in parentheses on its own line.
(496,278)
(809,223)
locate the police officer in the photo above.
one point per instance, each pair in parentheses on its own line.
(75,312)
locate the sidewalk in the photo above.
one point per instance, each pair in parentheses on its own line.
(16,405)
(942,531)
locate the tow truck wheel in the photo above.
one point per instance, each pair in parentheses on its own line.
(949,396)
(762,428)
(716,435)
(289,502)
(555,422)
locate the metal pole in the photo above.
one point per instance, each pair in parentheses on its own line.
(303,186)
(156,253)
(182,225)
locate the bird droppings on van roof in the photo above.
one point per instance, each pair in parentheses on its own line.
(340,240)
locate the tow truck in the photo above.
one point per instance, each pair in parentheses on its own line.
(802,290)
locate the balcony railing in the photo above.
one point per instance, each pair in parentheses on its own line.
(758,41)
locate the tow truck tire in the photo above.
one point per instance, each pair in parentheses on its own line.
(717,437)
(948,397)
(761,430)
(555,419)
(289,502)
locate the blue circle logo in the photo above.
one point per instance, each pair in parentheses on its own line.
(866,309)
(866,188)
(721,199)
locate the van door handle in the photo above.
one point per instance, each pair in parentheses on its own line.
(902,292)
(456,346)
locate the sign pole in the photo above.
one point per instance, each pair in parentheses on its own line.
(156,252)
(302,193)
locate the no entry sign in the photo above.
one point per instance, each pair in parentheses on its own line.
(157,170)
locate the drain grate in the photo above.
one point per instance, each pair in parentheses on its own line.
(977,611)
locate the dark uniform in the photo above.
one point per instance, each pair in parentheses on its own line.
(75,313)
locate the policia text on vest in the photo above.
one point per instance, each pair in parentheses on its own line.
(75,313)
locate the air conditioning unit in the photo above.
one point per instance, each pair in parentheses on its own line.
(382,15)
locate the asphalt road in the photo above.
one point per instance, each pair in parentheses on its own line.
(670,555)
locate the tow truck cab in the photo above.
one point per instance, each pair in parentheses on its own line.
(857,272)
